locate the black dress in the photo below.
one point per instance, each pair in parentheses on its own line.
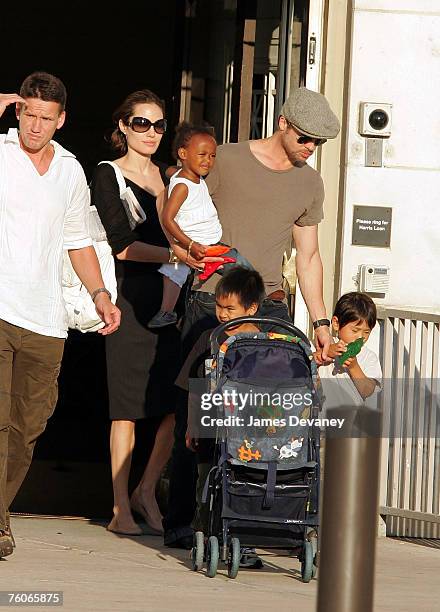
(142,364)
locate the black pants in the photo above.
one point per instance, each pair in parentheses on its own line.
(199,316)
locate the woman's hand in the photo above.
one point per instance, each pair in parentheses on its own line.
(191,443)
(198,251)
(191,261)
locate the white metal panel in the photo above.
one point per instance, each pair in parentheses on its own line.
(412,6)
(414,256)
(410,403)
(313,77)
(396,59)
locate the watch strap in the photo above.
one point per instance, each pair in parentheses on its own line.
(321,322)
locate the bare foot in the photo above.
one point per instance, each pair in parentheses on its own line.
(124,526)
(148,509)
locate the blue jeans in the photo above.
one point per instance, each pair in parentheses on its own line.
(239,261)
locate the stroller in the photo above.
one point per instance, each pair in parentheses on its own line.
(263,488)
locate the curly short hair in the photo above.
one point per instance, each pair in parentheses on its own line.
(185,131)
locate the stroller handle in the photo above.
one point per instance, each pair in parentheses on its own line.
(262,320)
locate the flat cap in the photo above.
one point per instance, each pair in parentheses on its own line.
(310,113)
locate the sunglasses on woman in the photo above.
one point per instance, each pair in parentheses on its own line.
(141,125)
(303,139)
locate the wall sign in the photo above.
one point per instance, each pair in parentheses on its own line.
(371,226)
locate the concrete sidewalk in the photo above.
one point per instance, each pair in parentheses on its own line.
(98,570)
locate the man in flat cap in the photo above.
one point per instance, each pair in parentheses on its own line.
(265,193)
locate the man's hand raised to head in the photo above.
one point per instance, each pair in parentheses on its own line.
(7,99)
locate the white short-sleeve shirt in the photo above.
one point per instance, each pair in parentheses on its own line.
(339,389)
(39,217)
(197,217)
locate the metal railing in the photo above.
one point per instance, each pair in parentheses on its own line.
(410,465)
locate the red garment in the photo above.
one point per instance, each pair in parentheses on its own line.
(211,267)
(216,250)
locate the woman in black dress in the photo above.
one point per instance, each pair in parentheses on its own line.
(142,364)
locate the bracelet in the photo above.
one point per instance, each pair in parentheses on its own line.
(100,290)
(173,259)
(188,253)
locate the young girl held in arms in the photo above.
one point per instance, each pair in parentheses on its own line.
(190,217)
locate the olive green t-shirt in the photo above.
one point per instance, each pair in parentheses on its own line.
(258,208)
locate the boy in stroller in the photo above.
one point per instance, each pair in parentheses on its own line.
(263,488)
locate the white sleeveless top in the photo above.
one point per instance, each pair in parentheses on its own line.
(197,216)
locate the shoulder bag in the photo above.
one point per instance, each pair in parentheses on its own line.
(81,312)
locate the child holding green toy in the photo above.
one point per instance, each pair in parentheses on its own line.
(355,374)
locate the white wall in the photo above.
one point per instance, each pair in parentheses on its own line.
(396,59)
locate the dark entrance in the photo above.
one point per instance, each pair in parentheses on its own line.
(102,54)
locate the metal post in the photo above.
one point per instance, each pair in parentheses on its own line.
(350,512)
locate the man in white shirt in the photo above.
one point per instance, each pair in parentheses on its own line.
(43,206)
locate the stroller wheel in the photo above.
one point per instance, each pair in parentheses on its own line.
(313,538)
(234,558)
(212,555)
(197,551)
(307,562)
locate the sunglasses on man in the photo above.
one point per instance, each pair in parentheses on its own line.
(303,139)
(141,125)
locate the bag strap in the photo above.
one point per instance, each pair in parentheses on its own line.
(136,209)
(119,176)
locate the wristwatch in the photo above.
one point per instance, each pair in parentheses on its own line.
(100,290)
(321,322)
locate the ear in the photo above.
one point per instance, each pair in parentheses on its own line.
(122,127)
(252,310)
(18,107)
(282,123)
(61,120)
(335,323)
(181,152)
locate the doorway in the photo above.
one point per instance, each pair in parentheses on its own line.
(101,55)
(241,58)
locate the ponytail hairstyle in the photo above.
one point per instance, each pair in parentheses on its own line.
(125,111)
(185,131)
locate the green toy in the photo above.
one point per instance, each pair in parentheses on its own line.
(353,349)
